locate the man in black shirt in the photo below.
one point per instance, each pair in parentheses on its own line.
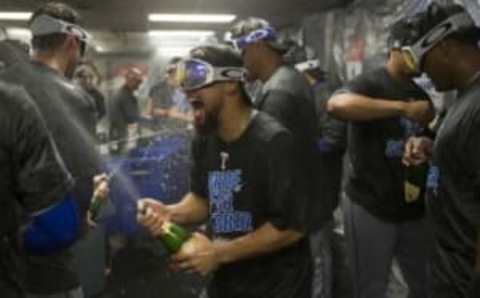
(287,97)
(446,49)
(382,219)
(58,43)
(330,145)
(124,112)
(33,179)
(246,182)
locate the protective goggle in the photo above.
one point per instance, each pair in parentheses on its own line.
(258,35)
(44,25)
(194,74)
(415,53)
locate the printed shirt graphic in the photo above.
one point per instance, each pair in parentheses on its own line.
(222,188)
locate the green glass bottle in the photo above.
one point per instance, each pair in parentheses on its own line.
(173,237)
(95,207)
(415,182)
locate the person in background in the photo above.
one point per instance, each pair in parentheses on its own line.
(168,105)
(85,77)
(330,150)
(124,112)
(286,96)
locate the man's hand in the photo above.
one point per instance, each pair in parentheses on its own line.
(152,214)
(101,189)
(419,111)
(100,194)
(197,255)
(417,151)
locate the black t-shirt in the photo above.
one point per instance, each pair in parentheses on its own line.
(99,100)
(375,148)
(288,98)
(70,117)
(123,111)
(32,175)
(454,194)
(248,183)
(330,149)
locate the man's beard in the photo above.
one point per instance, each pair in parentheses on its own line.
(209,126)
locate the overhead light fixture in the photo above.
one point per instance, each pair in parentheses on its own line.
(99,49)
(191,18)
(177,33)
(15,16)
(21,33)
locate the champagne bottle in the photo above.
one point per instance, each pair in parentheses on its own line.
(173,237)
(415,181)
(95,206)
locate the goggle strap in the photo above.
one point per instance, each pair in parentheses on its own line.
(44,25)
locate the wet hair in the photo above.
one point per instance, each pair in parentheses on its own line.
(243,27)
(55,10)
(435,14)
(221,56)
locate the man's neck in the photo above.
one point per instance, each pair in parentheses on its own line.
(395,73)
(51,61)
(466,70)
(234,122)
(269,66)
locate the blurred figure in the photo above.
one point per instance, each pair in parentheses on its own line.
(34,185)
(168,105)
(287,97)
(85,77)
(124,113)
(12,52)
(445,47)
(384,219)
(58,45)
(331,144)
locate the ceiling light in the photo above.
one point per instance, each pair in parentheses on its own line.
(20,33)
(15,16)
(175,33)
(100,49)
(192,18)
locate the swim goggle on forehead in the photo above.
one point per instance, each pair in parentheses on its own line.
(194,74)
(264,34)
(415,53)
(45,25)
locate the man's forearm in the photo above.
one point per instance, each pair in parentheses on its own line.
(264,240)
(190,210)
(355,107)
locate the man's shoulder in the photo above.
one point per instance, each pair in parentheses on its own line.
(265,128)
(286,79)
